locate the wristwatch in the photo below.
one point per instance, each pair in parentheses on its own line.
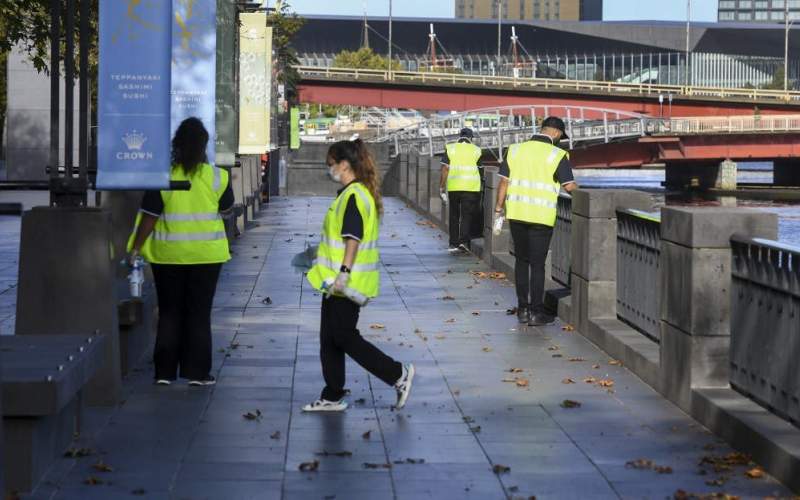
(344,269)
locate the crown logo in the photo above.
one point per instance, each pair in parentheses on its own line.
(134,140)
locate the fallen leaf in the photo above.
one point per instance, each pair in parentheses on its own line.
(553,348)
(360,401)
(523,382)
(590,380)
(78,452)
(487,349)
(558,355)
(468,420)
(377,326)
(366,435)
(476,313)
(139,492)
(515,370)
(639,463)
(252,415)
(334,454)
(568,328)
(267,301)
(448,297)
(567,381)
(755,473)
(93,481)
(309,466)
(596,367)
(102,467)
(606,383)
(663,469)
(369,465)
(440,337)
(615,362)
(568,403)
(414,461)
(501,469)
(475,429)
(451,320)
(511,380)
(576,359)
(456,392)
(720,481)
(275,435)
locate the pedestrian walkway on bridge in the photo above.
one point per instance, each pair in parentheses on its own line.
(497,411)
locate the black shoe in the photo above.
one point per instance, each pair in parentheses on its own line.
(540,319)
(523,315)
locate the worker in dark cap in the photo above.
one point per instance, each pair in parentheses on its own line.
(531,177)
(460,186)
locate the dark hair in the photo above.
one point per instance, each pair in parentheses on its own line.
(189,145)
(362,163)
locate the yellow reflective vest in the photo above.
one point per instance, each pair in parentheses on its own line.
(532,190)
(365,273)
(190,230)
(463,172)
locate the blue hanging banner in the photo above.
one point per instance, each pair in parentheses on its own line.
(194,65)
(133,148)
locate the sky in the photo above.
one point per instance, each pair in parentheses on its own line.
(613,10)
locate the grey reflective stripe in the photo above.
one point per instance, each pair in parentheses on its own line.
(357,268)
(358,191)
(543,186)
(217,178)
(464,168)
(215,235)
(356,295)
(200,217)
(532,201)
(369,245)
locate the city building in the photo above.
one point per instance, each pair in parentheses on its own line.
(544,10)
(757,11)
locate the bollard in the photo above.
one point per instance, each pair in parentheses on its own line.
(594,252)
(695,305)
(434,201)
(413,165)
(423,195)
(403,188)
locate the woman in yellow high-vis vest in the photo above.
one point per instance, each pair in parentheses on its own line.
(182,235)
(347,272)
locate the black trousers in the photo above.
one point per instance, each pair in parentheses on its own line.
(183,340)
(531,243)
(338,336)
(463,209)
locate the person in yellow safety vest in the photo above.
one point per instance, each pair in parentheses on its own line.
(347,272)
(460,187)
(182,235)
(531,177)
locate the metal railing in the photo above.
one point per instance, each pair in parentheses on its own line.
(765,324)
(349,74)
(638,275)
(561,248)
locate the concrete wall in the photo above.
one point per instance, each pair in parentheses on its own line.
(28,121)
(307,172)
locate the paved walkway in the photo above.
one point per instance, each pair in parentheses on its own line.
(488,395)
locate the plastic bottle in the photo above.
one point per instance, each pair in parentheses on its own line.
(136,277)
(497,227)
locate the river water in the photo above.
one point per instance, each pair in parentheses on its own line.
(650,181)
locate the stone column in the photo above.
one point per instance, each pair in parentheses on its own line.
(594,251)
(727,178)
(696,304)
(413,166)
(786,173)
(423,195)
(403,174)
(435,202)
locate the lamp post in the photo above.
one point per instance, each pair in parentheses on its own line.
(787,25)
(390,39)
(499,30)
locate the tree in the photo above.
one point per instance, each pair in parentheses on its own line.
(777,81)
(285,24)
(363,58)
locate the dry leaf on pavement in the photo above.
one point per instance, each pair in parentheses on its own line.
(615,362)
(567,381)
(275,435)
(606,383)
(448,297)
(515,370)
(568,403)
(369,465)
(568,328)
(522,382)
(451,320)
(553,348)
(367,434)
(377,326)
(577,359)
(93,481)
(309,466)
(501,469)
(755,473)
(590,380)
(253,415)
(100,466)
(487,349)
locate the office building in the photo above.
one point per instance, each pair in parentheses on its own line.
(757,11)
(542,10)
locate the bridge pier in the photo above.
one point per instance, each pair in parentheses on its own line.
(702,175)
(786,172)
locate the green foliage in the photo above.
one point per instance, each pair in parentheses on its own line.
(777,81)
(363,58)
(285,24)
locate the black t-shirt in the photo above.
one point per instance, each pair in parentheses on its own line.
(563,174)
(353,225)
(153,203)
(446,158)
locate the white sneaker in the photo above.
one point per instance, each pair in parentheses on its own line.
(163,381)
(463,248)
(325,405)
(453,250)
(210,380)
(403,386)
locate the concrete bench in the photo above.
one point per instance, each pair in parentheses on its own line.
(42,380)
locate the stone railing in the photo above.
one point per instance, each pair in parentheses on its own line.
(765,324)
(561,245)
(638,277)
(628,274)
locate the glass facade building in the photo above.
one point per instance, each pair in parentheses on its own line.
(757,11)
(540,10)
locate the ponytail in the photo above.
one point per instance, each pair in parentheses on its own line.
(361,161)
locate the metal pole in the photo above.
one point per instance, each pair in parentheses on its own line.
(69,88)
(390,39)
(688,27)
(55,80)
(786,48)
(83,133)
(499,31)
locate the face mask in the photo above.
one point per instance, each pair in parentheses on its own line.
(333,175)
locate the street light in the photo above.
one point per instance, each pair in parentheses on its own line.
(787,24)
(688,21)
(499,30)
(390,39)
